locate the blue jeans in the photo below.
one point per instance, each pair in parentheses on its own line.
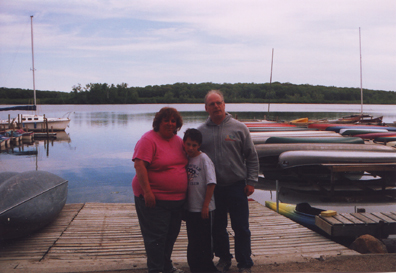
(233,200)
(160,227)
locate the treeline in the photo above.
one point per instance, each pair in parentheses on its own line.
(103,93)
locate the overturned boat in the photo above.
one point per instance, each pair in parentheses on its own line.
(30,200)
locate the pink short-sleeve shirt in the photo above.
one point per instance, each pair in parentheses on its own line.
(167,166)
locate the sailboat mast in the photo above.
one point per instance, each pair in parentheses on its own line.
(272,62)
(34,84)
(361,75)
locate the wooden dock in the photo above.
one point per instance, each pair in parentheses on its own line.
(378,224)
(97,237)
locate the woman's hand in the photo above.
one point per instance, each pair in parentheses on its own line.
(141,172)
(149,199)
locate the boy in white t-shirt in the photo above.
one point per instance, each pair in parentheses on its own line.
(200,204)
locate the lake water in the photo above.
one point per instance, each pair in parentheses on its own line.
(95,153)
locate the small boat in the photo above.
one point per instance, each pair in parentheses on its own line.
(358,119)
(261,137)
(268,155)
(338,128)
(277,129)
(385,139)
(292,159)
(275,149)
(30,200)
(268,124)
(376,135)
(324,126)
(367,119)
(41,123)
(349,140)
(301,213)
(35,122)
(352,132)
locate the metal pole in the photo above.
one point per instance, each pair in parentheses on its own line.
(272,62)
(34,84)
(361,75)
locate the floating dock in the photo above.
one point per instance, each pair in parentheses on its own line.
(99,237)
(378,224)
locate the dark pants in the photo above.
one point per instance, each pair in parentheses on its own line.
(160,227)
(233,200)
(199,250)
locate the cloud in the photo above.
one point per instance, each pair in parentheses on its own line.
(162,42)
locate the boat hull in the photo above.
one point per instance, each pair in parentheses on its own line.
(53,125)
(293,159)
(33,200)
(349,140)
(291,212)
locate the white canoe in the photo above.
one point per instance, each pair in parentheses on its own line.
(292,159)
(275,149)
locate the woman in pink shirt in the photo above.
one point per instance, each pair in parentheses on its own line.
(160,187)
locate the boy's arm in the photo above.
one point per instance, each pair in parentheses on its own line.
(208,196)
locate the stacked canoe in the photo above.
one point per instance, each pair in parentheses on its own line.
(290,152)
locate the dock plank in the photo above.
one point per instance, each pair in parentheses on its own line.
(97,232)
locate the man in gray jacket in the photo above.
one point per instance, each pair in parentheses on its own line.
(229,145)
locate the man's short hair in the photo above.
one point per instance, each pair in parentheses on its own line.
(218,92)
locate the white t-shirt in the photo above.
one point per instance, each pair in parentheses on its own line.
(201,172)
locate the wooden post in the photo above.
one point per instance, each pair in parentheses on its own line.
(46,125)
(277,198)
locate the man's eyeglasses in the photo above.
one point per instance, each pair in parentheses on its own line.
(218,103)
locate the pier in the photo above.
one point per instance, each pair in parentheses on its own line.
(378,224)
(99,237)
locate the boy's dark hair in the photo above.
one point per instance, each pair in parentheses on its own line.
(193,134)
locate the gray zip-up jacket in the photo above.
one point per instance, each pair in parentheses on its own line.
(230,147)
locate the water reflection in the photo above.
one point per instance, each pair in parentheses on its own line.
(95,153)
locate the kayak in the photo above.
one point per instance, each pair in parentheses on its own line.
(301,213)
(349,140)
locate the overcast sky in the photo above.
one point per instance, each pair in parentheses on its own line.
(155,42)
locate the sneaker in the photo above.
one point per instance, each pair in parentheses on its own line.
(223,265)
(174,270)
(245,270)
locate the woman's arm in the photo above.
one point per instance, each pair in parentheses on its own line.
(208,196)
(141,172)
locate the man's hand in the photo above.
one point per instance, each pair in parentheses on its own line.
(249,190)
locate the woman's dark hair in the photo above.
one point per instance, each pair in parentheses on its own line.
(167,112)
(194,135)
